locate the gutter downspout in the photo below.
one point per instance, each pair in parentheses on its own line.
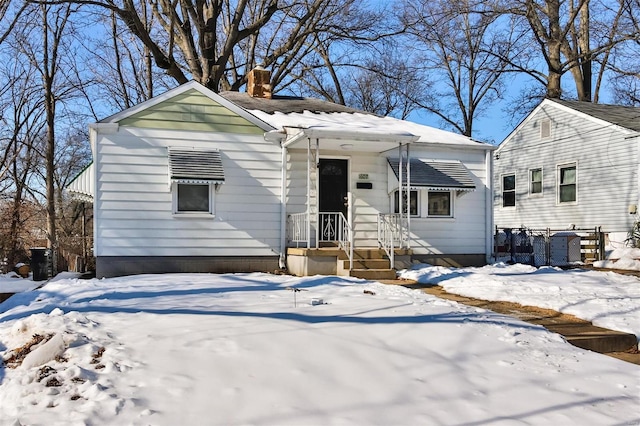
(283,209)
(489,206)
(276,136)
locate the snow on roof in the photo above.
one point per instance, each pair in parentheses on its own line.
(310,113)
(354,122)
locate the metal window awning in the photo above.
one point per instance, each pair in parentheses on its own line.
(195,166)
(435,175)
(82,187)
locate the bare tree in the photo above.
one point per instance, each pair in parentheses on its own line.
(123,74)
(625,65)
(456,42)
(43,41)
(20,141)
(570,36)
(217,42)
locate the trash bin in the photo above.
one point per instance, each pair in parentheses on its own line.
(40,263)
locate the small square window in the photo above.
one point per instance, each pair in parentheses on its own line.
(439,203)
(509,190)
(413,203)
(535,181)
(192,198)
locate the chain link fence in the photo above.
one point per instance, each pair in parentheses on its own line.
(540,247)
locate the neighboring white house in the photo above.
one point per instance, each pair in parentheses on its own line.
(194,181)
(569,164)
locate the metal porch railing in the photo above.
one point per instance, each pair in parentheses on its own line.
(391,234)
(297,228)
(336,228)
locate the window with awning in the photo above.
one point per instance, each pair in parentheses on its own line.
(193,176)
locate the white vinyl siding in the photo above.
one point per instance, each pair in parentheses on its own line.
(607,162)
(135,205)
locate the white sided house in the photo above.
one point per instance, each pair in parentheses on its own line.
(194,181)
(570,165)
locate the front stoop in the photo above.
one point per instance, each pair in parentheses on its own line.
(368,263)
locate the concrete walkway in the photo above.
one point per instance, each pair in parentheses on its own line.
(576,331)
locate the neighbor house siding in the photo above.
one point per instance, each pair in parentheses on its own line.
(134,201)
(606,162)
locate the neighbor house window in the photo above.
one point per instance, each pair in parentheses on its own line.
(509,190)
(567,183)
(193,198)
(439,203)
(413,203)
(535,181)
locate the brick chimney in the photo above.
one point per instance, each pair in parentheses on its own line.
(259,83)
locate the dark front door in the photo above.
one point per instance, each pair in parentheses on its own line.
(333,187)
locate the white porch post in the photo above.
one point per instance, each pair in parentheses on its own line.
(309,193)
(317,168)
(408,239)
(400,193)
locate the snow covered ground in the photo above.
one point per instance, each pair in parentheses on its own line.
(607,299)
(202,349)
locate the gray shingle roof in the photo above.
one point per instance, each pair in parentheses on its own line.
(286,104)
(624,116)
(435,174)
(195,165)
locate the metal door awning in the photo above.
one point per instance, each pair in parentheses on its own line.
(435,175)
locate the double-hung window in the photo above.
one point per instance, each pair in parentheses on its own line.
(535,181)
(567,183)
(509,190)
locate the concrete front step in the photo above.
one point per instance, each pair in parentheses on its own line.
(373,274)
(366,264)
(597,339)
